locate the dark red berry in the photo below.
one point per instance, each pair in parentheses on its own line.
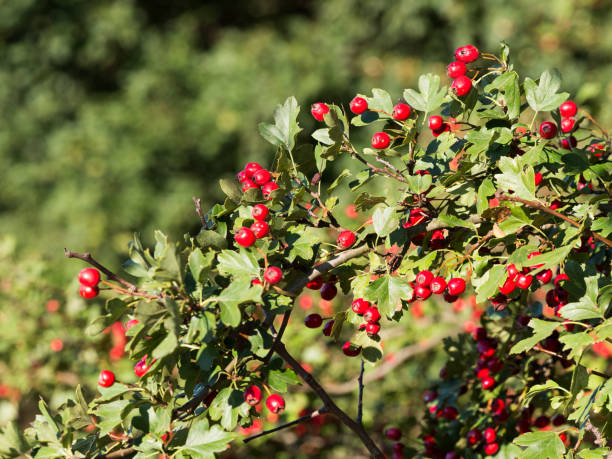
(548,130)
(488,382)
(456,69)
(393,433)
(466,53)
(480,334)
(372,314)
(380,140)
(541,421)
(350,350)
(358,105)
(568,109)
(315,284)
(461,85)
(474,436)
(241,176)
(319,110)
(275,403)
(327,328)
(545,276)
(560,278)
(444,128)
(450,412)
(434,122)
(360,306)
(556,204)
(261,177)
(346,239)
(569,143)
(252,395)
(106,378)
(89,277)
(456,286)
(273,275)
(88,292)
(438,284)
(398,447)
(328,291)
(245,237)
(141,368)
(448,297)
(260,212)
(313,321)
(401,112)
(558,419)
(260,229)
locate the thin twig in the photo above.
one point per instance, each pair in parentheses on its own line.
(360,403)
(307,417)
(198,207)
(559,356)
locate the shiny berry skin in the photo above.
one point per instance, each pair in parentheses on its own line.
(360,306)
(567,125)
(568,144)
(434,122)
(401,112)
(438,284)
(545,276)
(141,368)
(512,271)
(358,105)
(508,287)
(350,350)
(241,176)
(424,278)
(548,130)
(329,291)
(88,292)
(556,204)
(275,403)
(456,286)
(261,177)
(449,413)
(252,395)
(524,281)
(461,85)
(473,437)
(444,128)
(380,140)
(456,69)
(260,229)
(491,448)
(372,314)
(268,188)
(247,185)
(346,239)
(89,277)
(568,109)
(560,278)
(393,434)
(244,237)
(488,382)
(448,297)
(421,292)
(315,284)
(106,378)
(251,168)
(273,275)
(537,178)
(319,110)
(372,328)
(466,53)
(313,321)
(327,328)
(260,212)
(490,435)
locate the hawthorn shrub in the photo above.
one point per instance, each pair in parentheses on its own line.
(488,202)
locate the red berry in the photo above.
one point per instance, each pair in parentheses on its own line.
(346,239)
(434,122)
(451,455)
(541,421)
(380,140)
(456,286)
(350,350)
(89,277)
(438,284)
(556,204)
(260,229)
(241,176)
(141,368)
(360,306)
(444,128)
(268,188)
(508,287)
(548,130)
(251,168)
(130,323)
(247,185)
(568,109)
(560,278)
(398,447)
(315,284)
(319,110)
(568,144)
(252,395)
(473,436)
(512,271)
(424,278)
(450,412)
(558,419)
(545,276)
(422,292)
(563,437)
(273,275)
(327,329)
(488,382)
(358,105)
(401,112)
(372,314)
(456,69)
(106,378)
(537,178)
(313,321)
(329,291)
(523,281)
(260,212)
(491,448)
(461,85)
(245,237)
(567,125)
(88,292)
(275,403)
(372,328)
(393,433)
(448,297)
(261,177)
(466,53)
(490,435)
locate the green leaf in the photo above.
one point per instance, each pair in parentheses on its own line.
(385,220)
(380,100)
(208,238)
(238,264)
(430,96)
(575,343)
(512,93)
(339,178)
(487,285)
(548,259)
(12,442)
(485,190)
(543,97)
(516,178)
(112,392)
(230,188)
(371,349)
(302,241)
(419,183)
(238,292)
(541,329)
(203,442)
(455,222)
(387,291)
(541,388)
(540,445)
(279,379)
(597,453)
(285,127)
(583,309)
(166,346)
(366,201)
(199,262)
(602,225)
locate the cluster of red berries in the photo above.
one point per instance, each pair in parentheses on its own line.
(255,176)
(89,279)
(274,402)
(425,284)
(246,236)
(328,289)
(371,316)
(394,434)
(548,129)
(437,125)
(462,84)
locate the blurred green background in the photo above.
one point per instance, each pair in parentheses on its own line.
(115,113)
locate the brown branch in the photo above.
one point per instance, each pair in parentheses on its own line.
(198,207)
(119,453)
(548,210)
(331,406)
(307,417)
(360,402)
(559,356)
(132,289)
(326,212)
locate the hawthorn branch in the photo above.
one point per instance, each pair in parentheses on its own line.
(548,210)
(307,417)
(198,207)
(132,289)
(360,403)
(559,356)
(331,406)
